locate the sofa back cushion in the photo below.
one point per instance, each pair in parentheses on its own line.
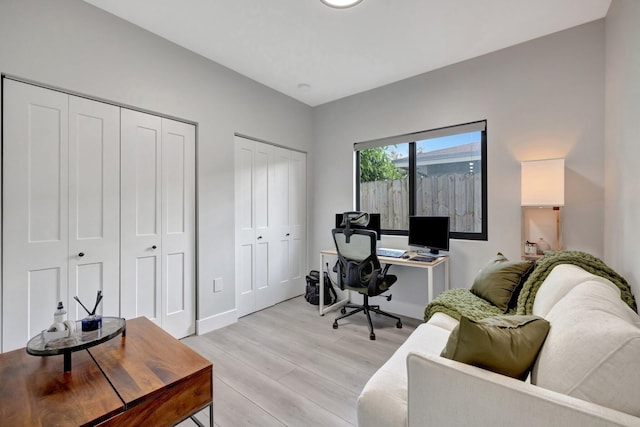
(559,282)
(592,351)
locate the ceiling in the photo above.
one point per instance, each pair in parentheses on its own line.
(317,54)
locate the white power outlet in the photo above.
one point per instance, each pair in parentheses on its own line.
(217,284)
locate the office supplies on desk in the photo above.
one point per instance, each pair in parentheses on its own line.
(392,253)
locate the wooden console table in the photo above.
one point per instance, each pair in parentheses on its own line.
(147,378)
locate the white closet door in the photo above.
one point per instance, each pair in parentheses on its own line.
(94,206)
(140,252)
(282,249)
(270,196)
(254,229)
(297,225)
(266,294)
(290,214)
(245,234)
(178,228)
(35,215)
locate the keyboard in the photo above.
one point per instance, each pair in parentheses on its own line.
(392,253)
(423,258)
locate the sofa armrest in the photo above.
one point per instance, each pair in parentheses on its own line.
(445,392)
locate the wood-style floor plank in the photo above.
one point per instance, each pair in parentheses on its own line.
(287,366)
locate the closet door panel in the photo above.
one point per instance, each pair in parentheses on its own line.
(263,218)
(245,232)
(282,218)
(297,195)
(94,196)
(140,239)
(178,225)
(35,210)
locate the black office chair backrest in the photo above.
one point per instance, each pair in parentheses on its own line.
(357,259)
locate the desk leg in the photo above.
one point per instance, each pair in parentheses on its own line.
(447,285)
(430,283)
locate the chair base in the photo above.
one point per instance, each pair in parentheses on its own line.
(367,309)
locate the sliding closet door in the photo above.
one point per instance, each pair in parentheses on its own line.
(290,213)
(270,226)
(94,206)
(35,210)
(254,228)
(178,228)
(282,216)
(141,215)
(61,208)
(297,224)
(157,253)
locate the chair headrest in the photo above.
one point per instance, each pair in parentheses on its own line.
(360,219)
(355,218)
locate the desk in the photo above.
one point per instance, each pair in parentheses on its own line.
(406,262)
(147,378)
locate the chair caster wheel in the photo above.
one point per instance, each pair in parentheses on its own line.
(335,325)
(399,325)
(343,310)
(372,337)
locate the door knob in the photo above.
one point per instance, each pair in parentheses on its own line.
(259,237)
(288,234)
(154,247)
(81,254)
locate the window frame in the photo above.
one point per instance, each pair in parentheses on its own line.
(411,139)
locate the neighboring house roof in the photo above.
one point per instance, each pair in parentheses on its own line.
(459,153)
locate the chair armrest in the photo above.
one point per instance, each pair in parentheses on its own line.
(445,392)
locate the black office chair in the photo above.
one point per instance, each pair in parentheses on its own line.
(358,269)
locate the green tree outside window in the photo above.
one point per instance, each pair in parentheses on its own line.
(377,165)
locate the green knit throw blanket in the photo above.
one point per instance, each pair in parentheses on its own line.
(583,260)
(461,302)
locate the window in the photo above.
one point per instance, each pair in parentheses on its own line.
(440,172)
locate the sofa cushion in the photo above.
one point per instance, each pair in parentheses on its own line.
(383,401)
(592,351)
(561,280)
(497,280)
(507,345)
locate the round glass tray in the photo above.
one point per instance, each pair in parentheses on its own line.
(78,340)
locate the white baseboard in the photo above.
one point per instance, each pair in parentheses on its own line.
(216,321)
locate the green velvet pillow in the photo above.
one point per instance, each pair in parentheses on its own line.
(497,280)
(508,345)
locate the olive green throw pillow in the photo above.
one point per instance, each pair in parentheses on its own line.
(497,280)
(508,345)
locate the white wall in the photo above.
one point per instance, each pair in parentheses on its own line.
(73,45)
(541,99)
(622,140)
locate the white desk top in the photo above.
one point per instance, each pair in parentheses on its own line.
(402,261)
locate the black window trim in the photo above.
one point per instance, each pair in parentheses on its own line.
(411,140)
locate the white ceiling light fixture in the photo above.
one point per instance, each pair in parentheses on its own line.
(341,4)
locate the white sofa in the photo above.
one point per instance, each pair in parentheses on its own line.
(591,354)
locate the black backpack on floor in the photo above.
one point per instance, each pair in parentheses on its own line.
(312,293)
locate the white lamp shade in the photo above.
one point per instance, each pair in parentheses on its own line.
(543,183)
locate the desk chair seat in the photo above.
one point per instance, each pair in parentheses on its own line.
(358,269)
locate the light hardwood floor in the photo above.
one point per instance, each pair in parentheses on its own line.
(287,366)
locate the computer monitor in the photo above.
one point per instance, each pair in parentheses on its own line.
(374,223)
(430,232)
